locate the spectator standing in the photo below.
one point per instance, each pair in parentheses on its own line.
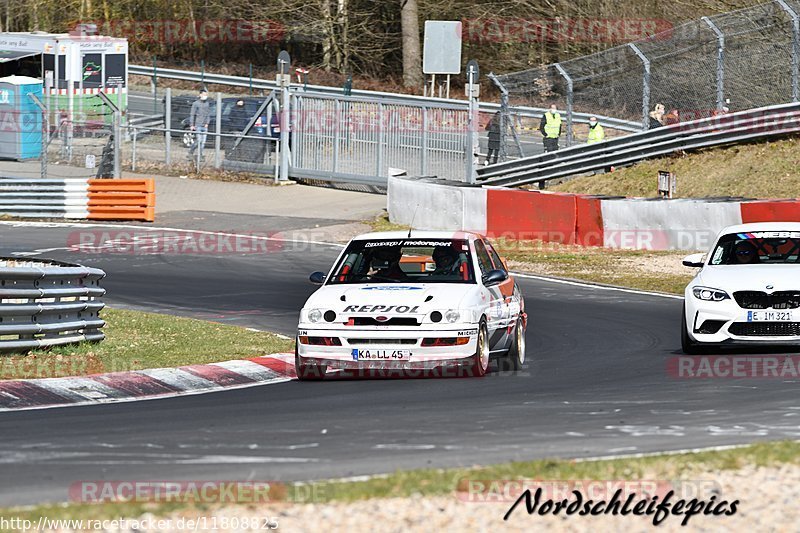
(493,127)
(550,128)
(199,116)
(596,131)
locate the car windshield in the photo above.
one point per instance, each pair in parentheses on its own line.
(405,261)
(757,248)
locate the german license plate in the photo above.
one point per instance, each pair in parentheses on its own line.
(380,355)
(769,316)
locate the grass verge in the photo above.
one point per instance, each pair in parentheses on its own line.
(137,340)
(430,482)
(759,170)
(637,269)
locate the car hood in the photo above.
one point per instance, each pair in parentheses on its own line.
(366,297)
(750,277)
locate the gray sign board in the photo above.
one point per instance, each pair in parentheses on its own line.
(442,50)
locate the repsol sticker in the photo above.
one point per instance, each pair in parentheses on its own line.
(380,309)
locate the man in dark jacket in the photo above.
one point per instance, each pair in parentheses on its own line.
(199,117)
(238,117)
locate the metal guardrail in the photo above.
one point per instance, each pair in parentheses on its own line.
(48,303)
(44,198)
(383,97)
(715,131)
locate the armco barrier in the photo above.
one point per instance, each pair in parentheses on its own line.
(631,223)
(78,198)
(48,303)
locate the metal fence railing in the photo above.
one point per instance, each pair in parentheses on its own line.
(743,126)
(739,60)
(48,303)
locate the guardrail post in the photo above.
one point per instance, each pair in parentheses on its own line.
(425,128)
(45,134)
(568,79)
(795,47)
(337,112)
(471,144)
(379,155)
(645,85)
(168,126)
(720,62)
(154,84)
(217,138)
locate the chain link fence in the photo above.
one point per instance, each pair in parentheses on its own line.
(729,62)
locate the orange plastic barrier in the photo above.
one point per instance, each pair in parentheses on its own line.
(122,199)
(550,217)
(771,211)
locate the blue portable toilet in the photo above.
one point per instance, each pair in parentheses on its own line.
(20,118)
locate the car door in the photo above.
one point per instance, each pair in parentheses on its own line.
(495,315)
(510,293)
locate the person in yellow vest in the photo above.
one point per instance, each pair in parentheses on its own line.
(550,128)
(596,132)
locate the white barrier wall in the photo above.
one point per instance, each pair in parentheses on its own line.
(433,206)
(666,224)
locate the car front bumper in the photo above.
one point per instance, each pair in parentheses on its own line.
(354,341)
(737,326)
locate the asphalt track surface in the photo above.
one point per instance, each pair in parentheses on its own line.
(596,385)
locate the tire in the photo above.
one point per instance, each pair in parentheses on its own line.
(689,346)
(513,360)
(308,372)
(480,361)
(187,139)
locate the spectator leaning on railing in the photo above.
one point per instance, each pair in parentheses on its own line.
(657,116)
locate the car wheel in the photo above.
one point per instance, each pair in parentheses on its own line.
(513,360)
(187,138)
(689,346)
(307,372)
(480,361)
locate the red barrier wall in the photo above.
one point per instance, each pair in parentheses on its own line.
(550,217)
(771,210)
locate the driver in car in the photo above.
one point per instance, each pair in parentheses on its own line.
(385,263)
(746,253)
(446,259)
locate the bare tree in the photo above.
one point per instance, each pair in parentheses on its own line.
(412,57)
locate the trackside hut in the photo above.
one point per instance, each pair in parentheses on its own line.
(73,69)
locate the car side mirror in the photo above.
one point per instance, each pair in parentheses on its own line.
(317,278)
(694,260)
(493,277)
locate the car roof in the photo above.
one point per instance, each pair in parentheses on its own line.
(761,226)
(417,234)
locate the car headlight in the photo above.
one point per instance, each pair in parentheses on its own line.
(314,315)
(452,316)
(710,295)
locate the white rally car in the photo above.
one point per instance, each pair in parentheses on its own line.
(747,290)
(412,300)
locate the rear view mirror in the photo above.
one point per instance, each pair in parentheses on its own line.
(317,278)
(694,260)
